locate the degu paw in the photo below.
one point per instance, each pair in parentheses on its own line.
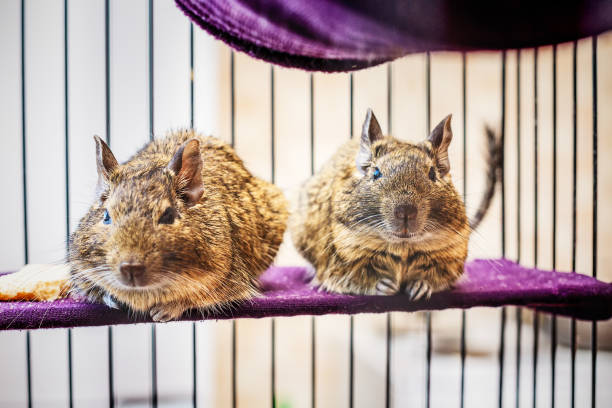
(418,289)
(165,313)
(386,287)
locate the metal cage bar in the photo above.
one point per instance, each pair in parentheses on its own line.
(574,198)
(536,316)
(519,311)
(273,179)
(351,318)
(553,322)
(313,322)
(67,192)
(194,333)
(389,328)
(233,142)
(150,27)
(502,334)
(25,191)
(428,313)
(111,379)
(594,249)
(463,312)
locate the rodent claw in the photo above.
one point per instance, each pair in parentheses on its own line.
(418,290)
(422,290)
(160,316)
(164,313)
(409,290)
(386,286)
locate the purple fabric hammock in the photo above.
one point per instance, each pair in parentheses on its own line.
(286,293)
(345,35)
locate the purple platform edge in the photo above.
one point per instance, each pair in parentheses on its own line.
(486,283)
(341,35)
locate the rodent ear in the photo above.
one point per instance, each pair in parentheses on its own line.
(105,160)
(187,166)
(105,163)
(440,138)
(370,133)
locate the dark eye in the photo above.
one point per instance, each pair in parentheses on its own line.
(377,174)
(106,219)
(432,174)
(168,216)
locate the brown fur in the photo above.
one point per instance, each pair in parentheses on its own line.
(209,257)
(344,222)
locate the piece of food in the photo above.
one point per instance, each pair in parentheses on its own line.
(35,282)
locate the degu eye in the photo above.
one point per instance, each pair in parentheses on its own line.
(106,219)
(432,174)
(168,216)
(376,174)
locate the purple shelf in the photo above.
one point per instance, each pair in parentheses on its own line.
(340,35)
(488,283)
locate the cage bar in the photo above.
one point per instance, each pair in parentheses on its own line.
(151,71)
(428,314)
(232,143)
(553,327)
(351,318)
(502,335)
(67,180)
(594,253)
(194,396)
(574,183)
(313,322)
(272,179)
(25,192)
(463,312)
(111,380)
(519,311)
(389,328)
(536,317)
(154,395)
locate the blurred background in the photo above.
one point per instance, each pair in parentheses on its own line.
(149,90)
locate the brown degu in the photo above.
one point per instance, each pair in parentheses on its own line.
(383,217)
(181,225)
